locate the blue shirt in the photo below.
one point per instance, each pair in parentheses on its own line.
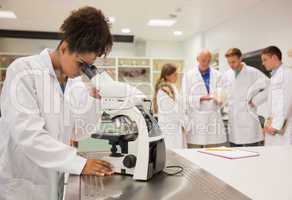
(206,78)
(63,86)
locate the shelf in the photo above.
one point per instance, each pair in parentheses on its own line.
(104,67)
(139,72)
(105,62)
(129,74)
(137,83)
(134,66)
(134,61)
(7,59)
(158,72)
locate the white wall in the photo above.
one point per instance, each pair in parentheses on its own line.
(123,50)
(163,49)
(25,46)
(192,47)
(267,24)
(151,48)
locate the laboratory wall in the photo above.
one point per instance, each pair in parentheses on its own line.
(267,23)
(192,47)
(156,49)
(25,46)
(164,49)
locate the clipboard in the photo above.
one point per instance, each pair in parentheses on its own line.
(229,153)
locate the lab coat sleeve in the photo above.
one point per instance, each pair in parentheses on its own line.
(278,102)
(85,110)
(192,99)
(183,95)
(182,114)
(184,102)
(224,84)
(28,127)
(196,101)
(260,90)
(87,122)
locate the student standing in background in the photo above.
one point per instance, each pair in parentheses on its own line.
(205,126)
(166,105)
(247,88)
(278,127)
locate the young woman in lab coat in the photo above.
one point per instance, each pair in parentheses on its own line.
(278,129)
(35,127)
(166,105)
(246,88)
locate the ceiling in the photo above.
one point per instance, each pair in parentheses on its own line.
(193,15)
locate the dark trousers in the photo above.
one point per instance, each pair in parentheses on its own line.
(247,145)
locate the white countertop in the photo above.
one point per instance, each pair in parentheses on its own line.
(267,177)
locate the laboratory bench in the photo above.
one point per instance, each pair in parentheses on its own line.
(193,183)
(266,177)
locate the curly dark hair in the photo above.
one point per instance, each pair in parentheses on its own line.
(87,30)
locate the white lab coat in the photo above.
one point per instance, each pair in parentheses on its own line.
(170,120)
(280,106)
(34,150)
(85,111)
(204,120)
(243,122)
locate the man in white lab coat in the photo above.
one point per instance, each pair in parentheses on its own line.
(246,88)
(278,128)
(204,121)
(35,125)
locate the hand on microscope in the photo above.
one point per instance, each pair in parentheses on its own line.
(97,168)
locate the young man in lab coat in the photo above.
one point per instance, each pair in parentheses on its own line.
(204,121)
(246,88)
(35,129)
(278,127)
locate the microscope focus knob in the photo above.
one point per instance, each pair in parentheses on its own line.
(130,161)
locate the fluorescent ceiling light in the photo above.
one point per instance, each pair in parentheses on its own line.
(126,30)
(111,19)
(177,33)
(7,14)
(161,22)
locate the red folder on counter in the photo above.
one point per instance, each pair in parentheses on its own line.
(229,153)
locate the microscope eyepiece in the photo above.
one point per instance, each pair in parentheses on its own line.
(89,70)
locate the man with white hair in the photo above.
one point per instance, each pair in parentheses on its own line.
(204,121)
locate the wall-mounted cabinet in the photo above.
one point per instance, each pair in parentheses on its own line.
(5,61)
(139,72)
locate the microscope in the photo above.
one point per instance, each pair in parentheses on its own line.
(137,145)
